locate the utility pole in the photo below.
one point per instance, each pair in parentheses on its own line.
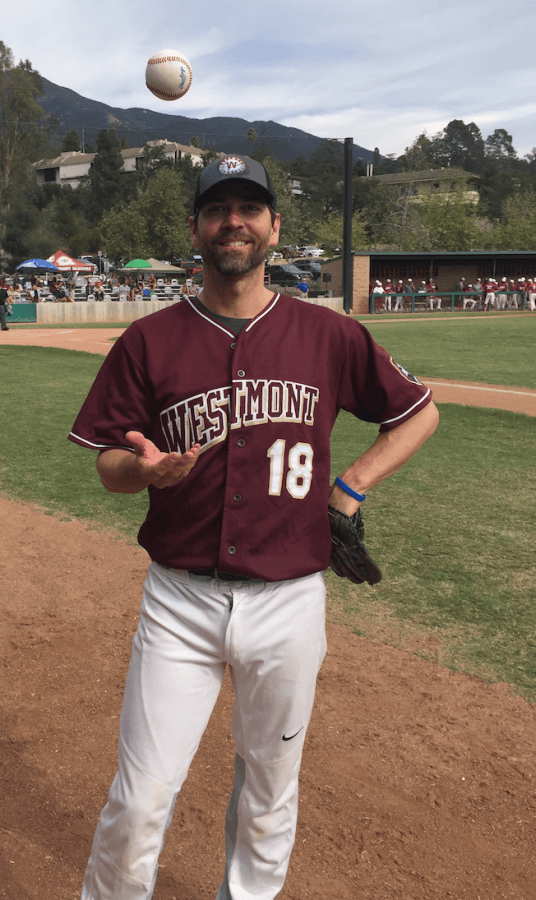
(347,268)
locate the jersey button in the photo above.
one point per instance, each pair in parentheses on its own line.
(231,550)
(237,497)
(241,373)
(241,442)
(233,345)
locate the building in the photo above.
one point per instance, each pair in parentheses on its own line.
(444,267)
(71,167)
(431,181)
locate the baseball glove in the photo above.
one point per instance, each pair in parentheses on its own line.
(349,556)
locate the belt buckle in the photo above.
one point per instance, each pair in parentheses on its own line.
(230,576)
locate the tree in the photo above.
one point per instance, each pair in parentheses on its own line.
(448,221)
(459,145)
(155,223)
(71,142)
(517,231)
(106,181)
(499,149)
(294,230)
(329,231)
(21,139)
(252,136)
(418,156)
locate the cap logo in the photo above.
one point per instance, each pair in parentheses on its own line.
(231,165)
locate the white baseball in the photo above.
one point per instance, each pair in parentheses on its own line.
(168,74)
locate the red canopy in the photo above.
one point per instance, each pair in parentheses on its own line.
(67,264)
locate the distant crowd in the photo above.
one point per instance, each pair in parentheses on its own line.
(60,289)
(395,295)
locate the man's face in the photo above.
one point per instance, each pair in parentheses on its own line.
(234,229)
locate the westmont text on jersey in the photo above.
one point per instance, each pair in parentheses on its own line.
(204,418)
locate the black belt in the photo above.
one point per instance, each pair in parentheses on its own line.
(221,576)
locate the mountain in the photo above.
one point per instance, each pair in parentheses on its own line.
(138,126)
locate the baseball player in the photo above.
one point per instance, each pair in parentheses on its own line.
(222,407)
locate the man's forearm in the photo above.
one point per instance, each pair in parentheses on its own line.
(388,453)
(119,472)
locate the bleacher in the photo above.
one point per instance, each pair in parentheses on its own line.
(163,291)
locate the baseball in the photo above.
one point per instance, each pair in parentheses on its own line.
(168,74)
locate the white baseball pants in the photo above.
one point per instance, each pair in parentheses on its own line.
(273,637)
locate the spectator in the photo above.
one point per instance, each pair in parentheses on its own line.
(124,290)
(303,288)
(98,289)
(3,305)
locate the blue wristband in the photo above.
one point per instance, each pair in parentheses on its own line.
(348,490)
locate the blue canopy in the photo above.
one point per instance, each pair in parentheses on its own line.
(32,265)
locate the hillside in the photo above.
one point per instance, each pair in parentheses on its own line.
(224,133)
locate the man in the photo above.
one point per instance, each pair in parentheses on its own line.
(389,294)
(222,406)
(4,299)
(470,300)
(378,292)
(399,305)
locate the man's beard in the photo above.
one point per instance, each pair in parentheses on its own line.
(227,261)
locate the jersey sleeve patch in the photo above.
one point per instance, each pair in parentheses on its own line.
(404,372)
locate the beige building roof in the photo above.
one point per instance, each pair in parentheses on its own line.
(70,167)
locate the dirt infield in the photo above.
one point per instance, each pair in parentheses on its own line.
(417,783)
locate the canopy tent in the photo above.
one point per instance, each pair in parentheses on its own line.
(151,265)
(65,263)
(37,266)
(137,264)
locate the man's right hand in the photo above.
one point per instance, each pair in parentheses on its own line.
(161,469)
(123,472)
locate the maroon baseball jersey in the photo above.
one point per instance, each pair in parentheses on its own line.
(262,405)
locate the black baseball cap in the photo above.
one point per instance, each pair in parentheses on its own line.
(229,168)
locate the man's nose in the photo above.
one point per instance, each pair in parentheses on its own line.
(233,217)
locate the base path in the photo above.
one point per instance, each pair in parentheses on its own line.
(466,393)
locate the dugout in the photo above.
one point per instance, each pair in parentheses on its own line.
(446,268)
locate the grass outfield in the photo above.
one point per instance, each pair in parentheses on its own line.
(452,531)
(496,350)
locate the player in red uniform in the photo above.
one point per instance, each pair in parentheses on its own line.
(222,407)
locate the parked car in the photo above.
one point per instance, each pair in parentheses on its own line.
(310,266)
(309,251)
(285,274)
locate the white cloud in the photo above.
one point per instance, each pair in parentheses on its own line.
(381,73)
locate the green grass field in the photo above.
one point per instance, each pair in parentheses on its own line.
(453,531)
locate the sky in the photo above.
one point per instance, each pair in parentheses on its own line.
(380,72)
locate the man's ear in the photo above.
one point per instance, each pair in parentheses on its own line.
(193,231)
(274,237)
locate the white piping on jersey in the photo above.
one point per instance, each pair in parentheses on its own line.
(266,311)
(100,446)
(401,416)
(231,333)
(212,322)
